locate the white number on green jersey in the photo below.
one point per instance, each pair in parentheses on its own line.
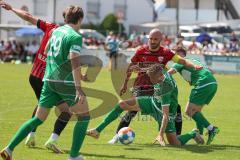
(55,45)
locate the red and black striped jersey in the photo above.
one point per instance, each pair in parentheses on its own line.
(39,64)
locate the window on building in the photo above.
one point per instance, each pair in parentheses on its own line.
(171,3)
(93,10)
(40,7)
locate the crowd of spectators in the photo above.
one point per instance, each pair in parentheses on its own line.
(26,51)
(14,50)
(231,45)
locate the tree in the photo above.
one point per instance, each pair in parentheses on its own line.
(110,23)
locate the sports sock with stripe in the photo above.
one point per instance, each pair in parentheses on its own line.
(79,134)
(186,137)
(201,121)
(117,110)
(23,131)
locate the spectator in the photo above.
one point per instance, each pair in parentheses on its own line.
(32,50)
(2,49)
(133,36)
(7,53)
(143,38)
(193,46)
(112,47)
(167,41)
(224,50)
(22,53)
(109,37)
(233,46)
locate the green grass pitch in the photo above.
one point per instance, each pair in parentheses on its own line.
(17,101)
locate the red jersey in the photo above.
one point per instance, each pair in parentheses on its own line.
(145,57)
(39,64)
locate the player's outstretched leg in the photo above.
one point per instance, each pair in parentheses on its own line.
(125,122)
(130,105)
(23,131)
(30,140)
(59,126)
(194,134)
(194,111)
(79,132)
(175,140)
(36,84)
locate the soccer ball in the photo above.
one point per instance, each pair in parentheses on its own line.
(126,135)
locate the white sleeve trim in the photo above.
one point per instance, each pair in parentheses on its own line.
(165,105)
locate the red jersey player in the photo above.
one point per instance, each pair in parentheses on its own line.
(147,55)
(37,74)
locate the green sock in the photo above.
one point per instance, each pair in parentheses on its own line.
(200,127)
(23,131)
(200,120)
(79,135)
(117,110)
(186,137)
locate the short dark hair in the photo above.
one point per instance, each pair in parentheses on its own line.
(72,14)
(155,69)
(181,50)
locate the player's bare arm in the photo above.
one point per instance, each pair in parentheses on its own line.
(128,75)
(165,110)
(76,70)
(172,71)
(21,13)
(185,62)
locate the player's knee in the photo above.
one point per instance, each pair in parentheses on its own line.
(79,109)
(123,104)
(174,142)
(188,112)
(65,116)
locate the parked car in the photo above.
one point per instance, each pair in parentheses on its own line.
(219,28)
(92,37)
(190,29)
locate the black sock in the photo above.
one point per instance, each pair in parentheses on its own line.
(178,121)
(33,115)
(126,120)
(61,122)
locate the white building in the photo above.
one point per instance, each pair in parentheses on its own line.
(131,12)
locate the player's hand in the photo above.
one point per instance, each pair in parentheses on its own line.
(160,139)
(196,67)
(135,68)
(5,5)
(123,89)
(80,95)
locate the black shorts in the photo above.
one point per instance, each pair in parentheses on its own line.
(36,84)
(113,54)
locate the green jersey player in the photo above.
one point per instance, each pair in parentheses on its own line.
(162,106)
(61,82)
(204,88)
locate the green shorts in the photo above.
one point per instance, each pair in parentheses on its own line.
(203,95)
(148,106)
(54,92)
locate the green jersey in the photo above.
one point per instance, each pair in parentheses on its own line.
(166,94)
(195,77)
(63,41)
